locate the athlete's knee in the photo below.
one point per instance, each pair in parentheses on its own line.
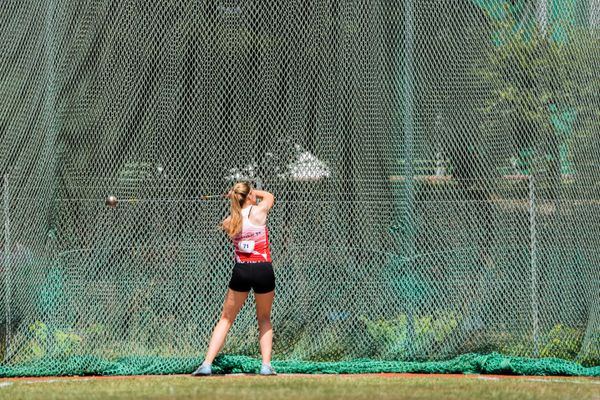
(228,317)
(263,320)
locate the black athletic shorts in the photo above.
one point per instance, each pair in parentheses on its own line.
(258,276)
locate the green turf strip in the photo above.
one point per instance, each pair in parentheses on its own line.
(290,388)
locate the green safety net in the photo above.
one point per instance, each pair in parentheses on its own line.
(436,168)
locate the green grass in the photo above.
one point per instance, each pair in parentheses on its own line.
(301,387)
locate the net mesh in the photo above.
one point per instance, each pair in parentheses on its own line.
(435,166)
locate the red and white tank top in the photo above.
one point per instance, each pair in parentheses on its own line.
(252,243)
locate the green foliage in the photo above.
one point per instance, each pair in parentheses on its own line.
(590,355)
(389,336)
(245,342)
(534,86)
(288,333)
(66,342)
(37,345)
(561,342)
(331,346)
(45,341)
(331,343)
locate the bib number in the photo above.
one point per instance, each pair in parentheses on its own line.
(246,246)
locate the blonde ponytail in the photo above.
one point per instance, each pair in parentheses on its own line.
(238,197)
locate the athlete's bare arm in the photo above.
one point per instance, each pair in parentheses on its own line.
(260,212)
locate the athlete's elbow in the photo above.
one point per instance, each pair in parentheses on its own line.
(269,196)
